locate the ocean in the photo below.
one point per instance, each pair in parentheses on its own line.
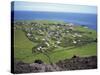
(89,20)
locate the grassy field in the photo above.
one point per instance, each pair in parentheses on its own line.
(23,49)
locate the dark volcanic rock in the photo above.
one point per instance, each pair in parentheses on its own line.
(35,67)
(75,63)
(20,67)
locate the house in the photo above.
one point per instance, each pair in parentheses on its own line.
(47,43)
(39,48)
(28,34)
(74,41)
(58,42)
(43,39)
(79,35)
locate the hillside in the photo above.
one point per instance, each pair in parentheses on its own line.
(24,44)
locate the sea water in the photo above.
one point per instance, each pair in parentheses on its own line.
(89,20)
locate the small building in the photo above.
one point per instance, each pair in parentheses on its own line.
(58,42)
(47,43)
(74,41)
(28,34)
(79,35)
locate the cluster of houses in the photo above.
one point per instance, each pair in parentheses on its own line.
(50,34)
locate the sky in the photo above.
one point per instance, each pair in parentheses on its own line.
(53,7)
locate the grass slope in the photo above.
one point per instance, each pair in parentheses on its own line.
(23,50)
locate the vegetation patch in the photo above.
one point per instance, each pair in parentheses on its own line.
(51,41)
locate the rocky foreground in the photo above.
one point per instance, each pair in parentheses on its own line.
(75,63)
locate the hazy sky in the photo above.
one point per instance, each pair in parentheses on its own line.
(33,6)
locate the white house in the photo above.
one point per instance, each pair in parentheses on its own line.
(28,34)
(58,42)
(79,35)
(47,43)
(39,48)
(74,41)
